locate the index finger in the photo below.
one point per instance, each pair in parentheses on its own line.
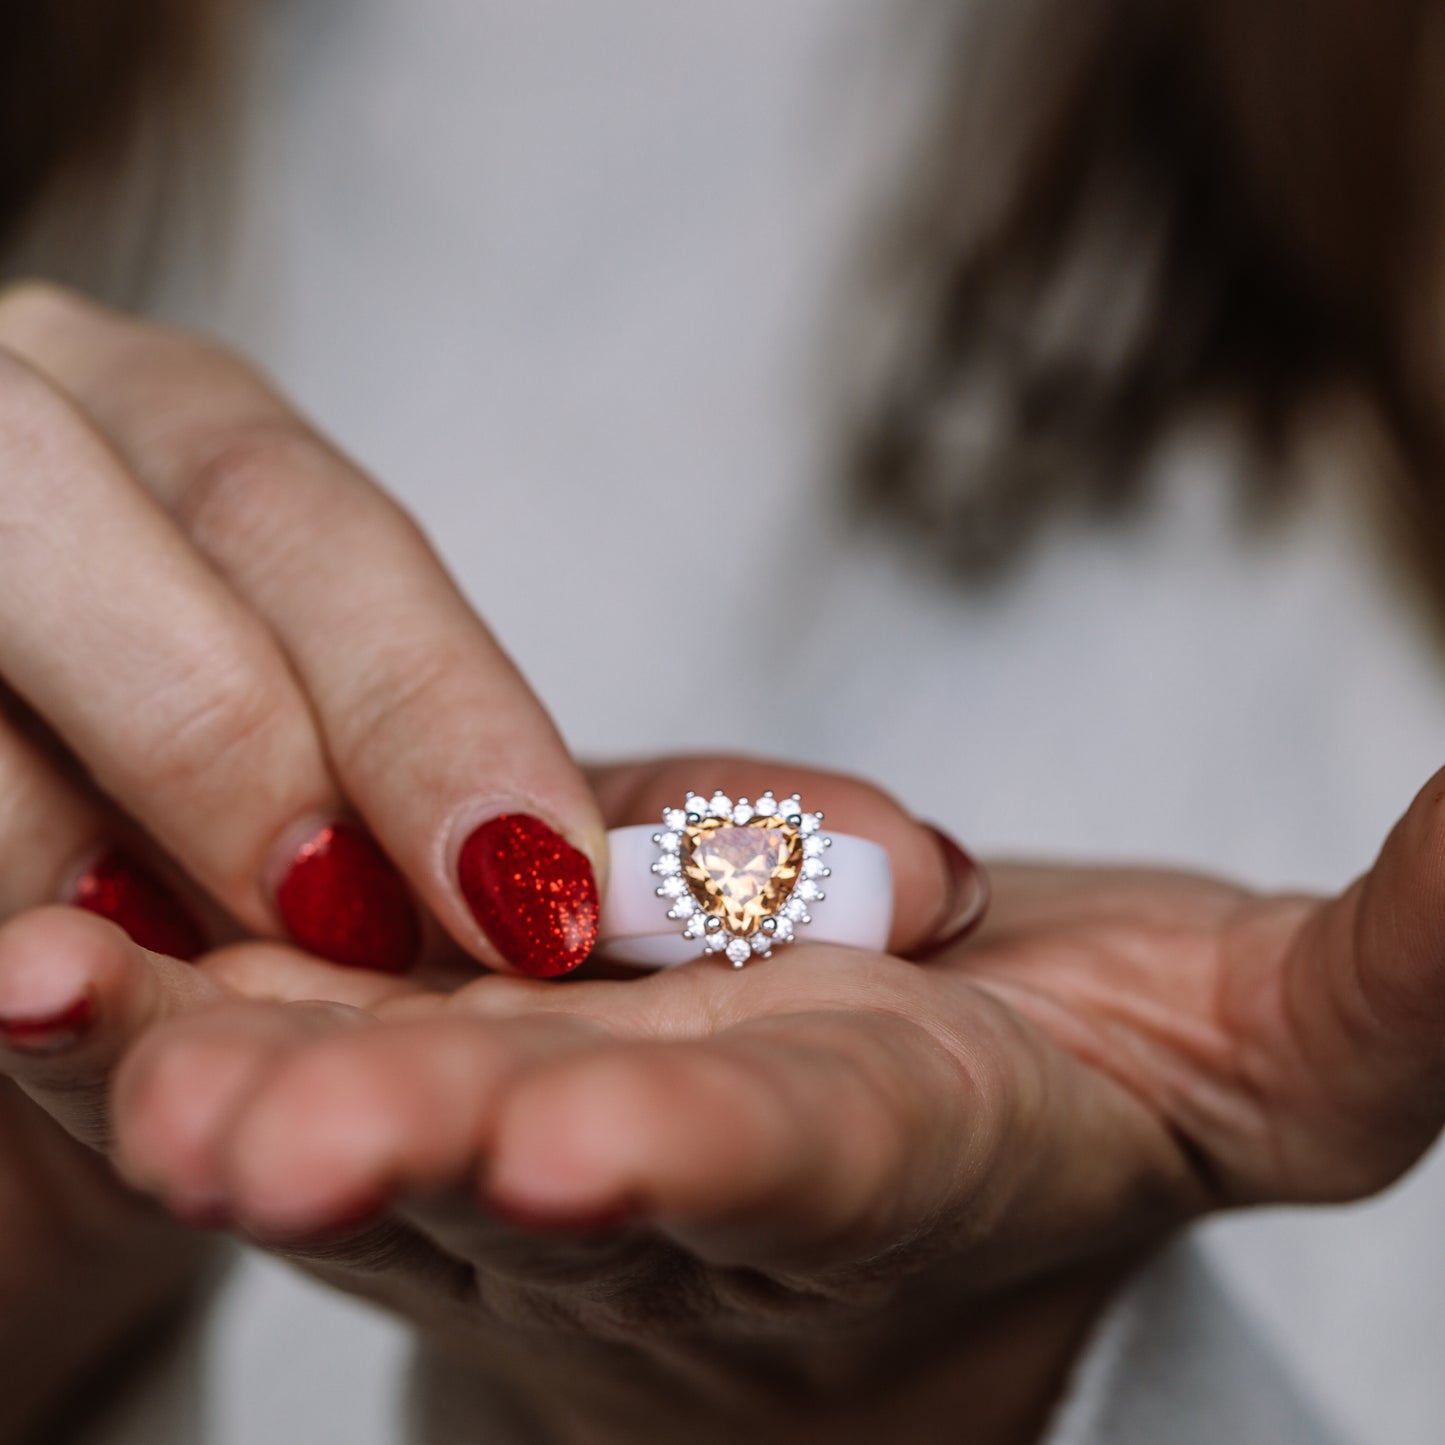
(435,737)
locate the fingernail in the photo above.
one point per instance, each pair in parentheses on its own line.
(532,892)
(48,1032)
(343,899)
(122,889)
(536,1221)
(968,895)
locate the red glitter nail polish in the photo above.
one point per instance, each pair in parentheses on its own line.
(344,900)
(124,890)
(968,896)
(533,893)
(49,1033)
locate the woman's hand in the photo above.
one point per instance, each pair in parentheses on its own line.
(220,643)
(238,695)
(837,1189)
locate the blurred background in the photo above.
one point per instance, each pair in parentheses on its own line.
(1027,405)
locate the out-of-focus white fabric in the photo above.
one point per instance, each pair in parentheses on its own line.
(1175,1360)
(564,276)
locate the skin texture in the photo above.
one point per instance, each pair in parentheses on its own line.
(838,1187)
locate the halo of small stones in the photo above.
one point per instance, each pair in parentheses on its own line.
(780,927)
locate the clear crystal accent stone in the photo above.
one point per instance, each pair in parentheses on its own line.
(739,950)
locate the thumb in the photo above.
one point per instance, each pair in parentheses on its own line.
(75,992)
(1364,991)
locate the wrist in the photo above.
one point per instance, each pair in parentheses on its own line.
(69,1348)
(997,1373)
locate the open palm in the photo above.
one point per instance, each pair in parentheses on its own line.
(832,1178)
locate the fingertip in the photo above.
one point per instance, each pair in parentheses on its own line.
(316,1147)
(172,1099)
(61,966)
(639,1127)
(965,896)
(533,893)
(74,993)
(555,1154)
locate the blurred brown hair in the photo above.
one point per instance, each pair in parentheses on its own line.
(1127,208)
(1131,207)
(99,102)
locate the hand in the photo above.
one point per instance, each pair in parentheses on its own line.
(838,1186)
(228,664)
(223,645)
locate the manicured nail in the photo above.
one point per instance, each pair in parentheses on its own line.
(532,892)
(343,899)
(48,1033)
(968,896)
(124,890)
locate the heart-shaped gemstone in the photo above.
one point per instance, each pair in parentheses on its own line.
(741,873)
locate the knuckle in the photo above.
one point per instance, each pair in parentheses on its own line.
(245,485)
(33,304)
(389,700)
(224,721)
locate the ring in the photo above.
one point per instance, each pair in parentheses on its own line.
(739,879)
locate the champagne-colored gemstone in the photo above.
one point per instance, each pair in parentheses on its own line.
(741,873)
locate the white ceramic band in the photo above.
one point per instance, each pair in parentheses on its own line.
(635,928)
